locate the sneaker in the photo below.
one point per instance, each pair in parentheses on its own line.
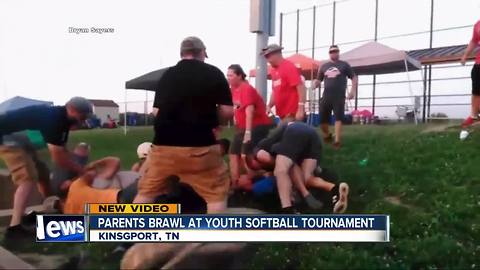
(469,121)
(30,219)
(312,202)
(18,232)
(328,139)
(340,198)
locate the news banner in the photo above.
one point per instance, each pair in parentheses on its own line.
(164,223)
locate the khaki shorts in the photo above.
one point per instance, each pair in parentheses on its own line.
(20,164)
(202,168)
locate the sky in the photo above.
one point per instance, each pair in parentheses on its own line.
(40,59)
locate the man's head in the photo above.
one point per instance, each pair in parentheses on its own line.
(81,153)
(334,53)
(144,149)
(79,109)
(273,54)
(235,75)
(257,159)
(193,48)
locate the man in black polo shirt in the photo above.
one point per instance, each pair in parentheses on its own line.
(192,97)
(54,124)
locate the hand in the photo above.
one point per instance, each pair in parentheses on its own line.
(247,137)
(300,115)
(316,83)
(463,61)
(351,95)
(269,110)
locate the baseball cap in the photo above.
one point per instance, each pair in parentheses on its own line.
(333,48)
(81,105)
(192,43)
(271,49)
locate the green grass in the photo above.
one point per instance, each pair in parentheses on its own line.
(429,184)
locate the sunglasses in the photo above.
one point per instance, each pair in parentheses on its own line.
(335,51)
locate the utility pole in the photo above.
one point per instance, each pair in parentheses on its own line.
(262,23)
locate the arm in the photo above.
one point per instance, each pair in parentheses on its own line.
(471,46)
(108,166)
(301,102)
(225,113)
(353,91)
(155,111)
(271,104)
(62,158)
(249,122)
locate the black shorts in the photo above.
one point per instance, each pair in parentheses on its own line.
(476,80)
(327,105)
(299,142)
(258,133)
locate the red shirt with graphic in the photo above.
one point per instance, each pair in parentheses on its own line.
(285,79)
(476,39)
(244,96)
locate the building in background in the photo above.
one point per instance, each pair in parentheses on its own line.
(105,110)
(19,102)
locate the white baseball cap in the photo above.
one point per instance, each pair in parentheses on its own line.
(144,149)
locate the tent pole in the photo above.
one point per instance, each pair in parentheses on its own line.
(411,91)
(424,78)
(125,115)
(146,108)
(374,88)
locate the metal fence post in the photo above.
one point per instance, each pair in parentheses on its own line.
(333,24)
(281,29)
(298,30)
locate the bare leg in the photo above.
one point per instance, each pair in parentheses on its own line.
(320,183)
(308,167)
(325,130)
(298,181)
(284,184)
(338,131)
(20,201)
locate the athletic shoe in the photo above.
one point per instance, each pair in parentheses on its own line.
(312,202)
(340,198)
(328,139)
(18,232)
(30,219)
(469,121)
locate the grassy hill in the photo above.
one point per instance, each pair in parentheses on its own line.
(428,182)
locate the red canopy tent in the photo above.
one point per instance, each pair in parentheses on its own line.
(307,65)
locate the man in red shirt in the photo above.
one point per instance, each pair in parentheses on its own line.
(251,121)
(474,42)
(288,95)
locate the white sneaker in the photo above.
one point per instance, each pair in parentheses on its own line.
(340,199)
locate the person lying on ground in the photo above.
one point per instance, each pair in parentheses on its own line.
(299,148)
(287,145)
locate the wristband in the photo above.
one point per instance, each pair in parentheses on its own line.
(248,132)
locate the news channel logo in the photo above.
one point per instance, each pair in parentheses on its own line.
(61,228)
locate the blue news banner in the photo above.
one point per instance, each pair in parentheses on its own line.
(213,228)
